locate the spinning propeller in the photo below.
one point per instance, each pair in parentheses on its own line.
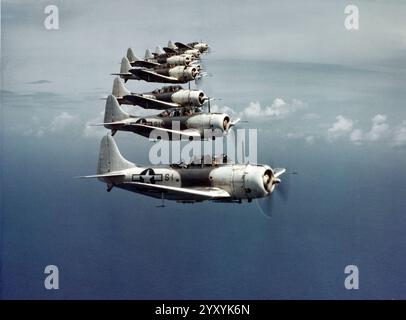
(276,182)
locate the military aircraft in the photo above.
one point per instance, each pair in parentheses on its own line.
(215,180)
(163,73)
(179,46)
(201,46)
(151,61)
(166,97)
(182,48)
(172,124)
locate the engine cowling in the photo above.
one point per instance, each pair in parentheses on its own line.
(244,181)
(189,97)
(220,121)
(179,60)
(183,73)
(194,52)
(201,46)
(211,125)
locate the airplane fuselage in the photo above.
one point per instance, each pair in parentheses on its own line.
(208,124)
(180,97)
(241,181)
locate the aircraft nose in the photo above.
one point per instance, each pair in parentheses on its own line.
(226,123)
(202,97)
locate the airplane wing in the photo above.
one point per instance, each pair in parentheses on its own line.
(169,50)
(181,45)
(187,133)
(152,76)
(121,74)
(144,64)
(201,193)
(279,171)
(149,103)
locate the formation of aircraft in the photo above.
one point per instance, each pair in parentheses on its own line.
(181,116)
(176,63)
(164,73)
(159,57)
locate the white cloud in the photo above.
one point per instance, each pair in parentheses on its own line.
(399,135)
(379,130)
(61,122)
(39,127)
(94,131)
(340,128)
(356,136)
(278,110)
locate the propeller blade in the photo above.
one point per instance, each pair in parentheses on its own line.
(265,206)
(283,188)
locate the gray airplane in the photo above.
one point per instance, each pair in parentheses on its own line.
(172,124)
(180,48)
(163,73)
(194,182)
(166,97)
(201,46)
(194,48)
(151,61)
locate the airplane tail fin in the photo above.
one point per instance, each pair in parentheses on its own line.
(119,90)
(148,55)
(131,56)
(110,158)
(171,45)
(158,50)
(113,112)
(125,65)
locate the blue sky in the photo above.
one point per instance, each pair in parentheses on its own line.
(328,103)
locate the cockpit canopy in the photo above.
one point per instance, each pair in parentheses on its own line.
(179,112)
(204,161)
(167,89)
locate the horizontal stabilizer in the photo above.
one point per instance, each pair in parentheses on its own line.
(121,74)
(116,123)
(105,175)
